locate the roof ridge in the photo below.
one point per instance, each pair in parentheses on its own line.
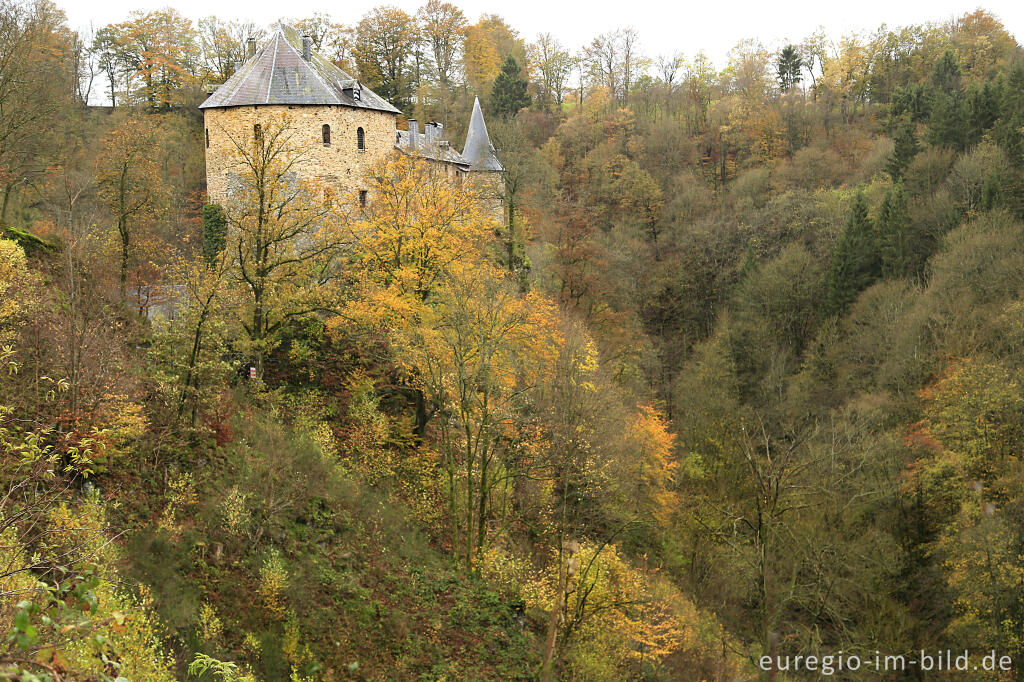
(273,65)
(267,79)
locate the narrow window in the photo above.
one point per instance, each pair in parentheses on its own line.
(257,133)
(207,138)
(360,139)
(362,195)
(326,131)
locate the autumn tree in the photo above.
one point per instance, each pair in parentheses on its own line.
(283,236)
(35,83)
(159,55)
(128,174)
(553,65)
(224,44)
(443,27)
(188,349)
(488,43)
(384,52)
(467,340)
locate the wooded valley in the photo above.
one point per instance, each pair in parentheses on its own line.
(741,372)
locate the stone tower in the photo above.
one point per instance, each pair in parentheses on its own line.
(342,128)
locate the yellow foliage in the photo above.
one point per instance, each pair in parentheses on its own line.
(14,274)
(273,583)
(210,625)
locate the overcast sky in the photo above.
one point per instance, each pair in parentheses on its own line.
(664,27)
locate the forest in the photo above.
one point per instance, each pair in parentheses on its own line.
(739,375)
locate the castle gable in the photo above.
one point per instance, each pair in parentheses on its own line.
(279,74)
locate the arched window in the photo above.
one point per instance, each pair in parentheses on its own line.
(326,131)
(362,195)
(360,140)
(207,138)
(257,133)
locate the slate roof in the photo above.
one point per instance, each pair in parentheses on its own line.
(479,151)
(430,150)
(277,74)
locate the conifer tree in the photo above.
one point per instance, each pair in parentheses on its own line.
(895,242)
(947,120)
(509,94)
(905,150)
(992,195)
(788,68)
(855,263)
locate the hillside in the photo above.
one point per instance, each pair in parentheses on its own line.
(738,375)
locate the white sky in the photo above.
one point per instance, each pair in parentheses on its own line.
(710,25)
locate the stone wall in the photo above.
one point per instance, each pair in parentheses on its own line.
(490,187)
(340,164)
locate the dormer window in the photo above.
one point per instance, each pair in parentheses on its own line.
(326,132)
(360,140)
(351,88)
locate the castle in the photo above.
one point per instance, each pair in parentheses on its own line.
(344,129)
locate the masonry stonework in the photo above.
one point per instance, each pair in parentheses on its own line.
(340,164)
(286,82)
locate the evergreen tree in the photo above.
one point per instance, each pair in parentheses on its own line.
(215,230)
(855,263)
(947,119)
(1009,129)
(947,124)
(509,94)
(896,245)
(788,68)
(946,76)
(905,150)
(992,196)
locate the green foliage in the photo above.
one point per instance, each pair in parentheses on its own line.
(28,241)
(855,263)
(508,95)
(905,150)
(215,230)
(788,67)
(899,248)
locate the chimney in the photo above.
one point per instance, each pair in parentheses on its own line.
(250,47)
(428,132)
(414,134)
(307,48)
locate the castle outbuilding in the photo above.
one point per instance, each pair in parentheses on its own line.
(342,127)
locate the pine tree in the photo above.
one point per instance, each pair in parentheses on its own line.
(905,150)
(509,94)
(788,67)
(947,123)
(895,242)
(947,120)
(855,263)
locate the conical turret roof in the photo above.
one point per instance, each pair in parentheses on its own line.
(478,150)
(277,74)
